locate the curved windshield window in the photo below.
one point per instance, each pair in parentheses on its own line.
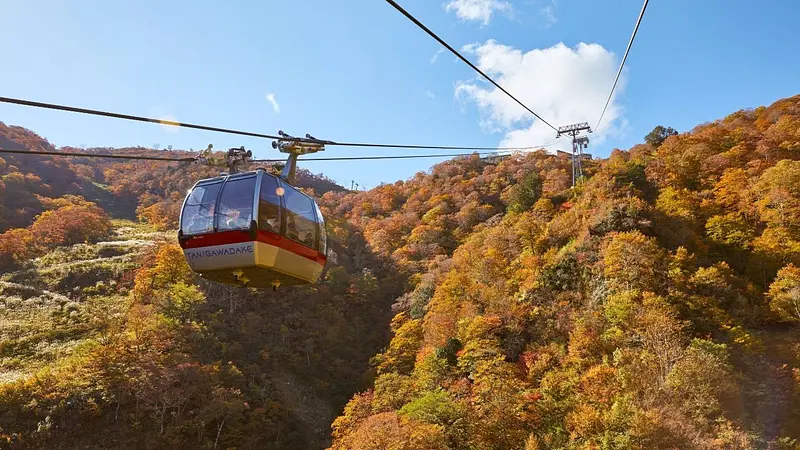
(236,204)
(269,205)
(323,235)
(198,212)
(301,225)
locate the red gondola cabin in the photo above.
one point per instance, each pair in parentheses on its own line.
(252,229)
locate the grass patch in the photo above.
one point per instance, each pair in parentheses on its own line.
(41,331)
(81,274)
(54,305)
(88,252)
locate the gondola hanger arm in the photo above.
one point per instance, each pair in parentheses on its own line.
(296,147)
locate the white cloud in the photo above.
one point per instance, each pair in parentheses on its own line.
(271,99)
(548,16)
(436,56)
(429,94)
(563,85)
(481,10)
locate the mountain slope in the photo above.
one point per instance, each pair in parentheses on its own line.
(653,306)
(107,340)
(649,307)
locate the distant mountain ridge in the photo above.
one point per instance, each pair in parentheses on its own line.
(94,179)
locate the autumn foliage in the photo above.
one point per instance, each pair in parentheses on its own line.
(15,247)
(634,311)
(67,225)
(71,225)
(654,305)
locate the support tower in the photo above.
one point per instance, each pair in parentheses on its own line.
(578,144)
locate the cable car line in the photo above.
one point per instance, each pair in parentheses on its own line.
(173,123)
(96,155)
(367,158)
(96,112)
(622,64)
(419,147)
(193,159)
(462,58)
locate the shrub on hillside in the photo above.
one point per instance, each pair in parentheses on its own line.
(784,294)
(70,225)
(15,247)
(523,195)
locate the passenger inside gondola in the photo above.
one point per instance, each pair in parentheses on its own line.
(236,204)
(235,218)
(200,224)
(301,224)
(291,228)
(200,209)
(269,207)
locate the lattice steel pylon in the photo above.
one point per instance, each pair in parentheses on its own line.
(578,144)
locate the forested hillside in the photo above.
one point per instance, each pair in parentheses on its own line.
(107,340)
(653,306)
(479,305)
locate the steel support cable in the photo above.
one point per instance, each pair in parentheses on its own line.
(462,58)
(95,112)
(192,159)
(96,155)
(367,158)
(622,64)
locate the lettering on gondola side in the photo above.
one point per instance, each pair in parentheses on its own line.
(221,256)
(209,253)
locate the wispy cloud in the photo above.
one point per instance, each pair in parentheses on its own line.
(548,15)
(271,99)
(436,56)
(481,10)
(429,94)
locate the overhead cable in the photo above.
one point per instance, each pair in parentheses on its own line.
(192,159)
(95,112)
(173,123)
(95,155)
(622,64)
(366,158)
(462,58)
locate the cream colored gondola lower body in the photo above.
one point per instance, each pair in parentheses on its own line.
(253,264)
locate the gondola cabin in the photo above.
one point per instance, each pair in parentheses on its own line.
(252,229)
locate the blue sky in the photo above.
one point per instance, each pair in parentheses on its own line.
(359,71)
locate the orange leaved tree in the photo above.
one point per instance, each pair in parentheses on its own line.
(70,225)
